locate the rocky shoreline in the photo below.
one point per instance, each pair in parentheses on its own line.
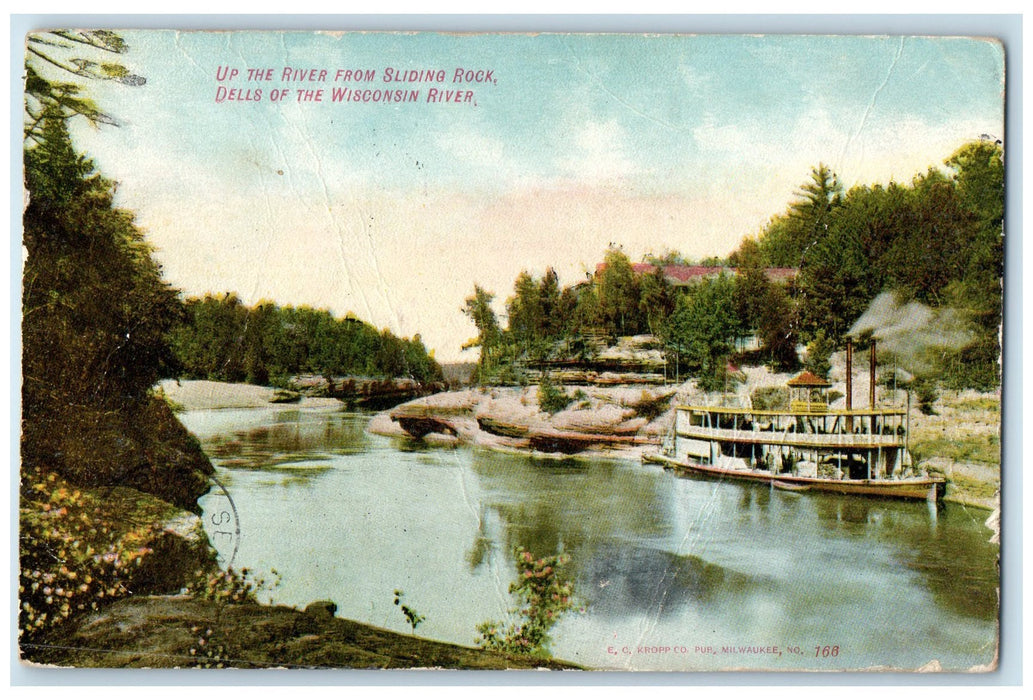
(598,422)
(958,440)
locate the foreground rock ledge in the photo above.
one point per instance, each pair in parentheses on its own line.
(160,631)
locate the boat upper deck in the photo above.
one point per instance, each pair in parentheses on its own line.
(842,429)
(849,441)
(812,412)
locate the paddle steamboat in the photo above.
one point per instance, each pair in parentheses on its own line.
(808,447)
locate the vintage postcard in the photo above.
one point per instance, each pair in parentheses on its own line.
(511,351)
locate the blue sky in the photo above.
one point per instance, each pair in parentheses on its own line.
(393,212)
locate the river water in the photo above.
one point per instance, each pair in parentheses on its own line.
(671,573)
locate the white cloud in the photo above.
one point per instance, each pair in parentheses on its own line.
(696,80)
(599,153)
(473,148)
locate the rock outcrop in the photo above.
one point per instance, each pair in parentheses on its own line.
(365,392)
(83,548)
(140,444)
(181,631)
(600,419)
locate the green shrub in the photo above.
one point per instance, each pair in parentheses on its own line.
(819,353)
(651,407)
(231,585)
(411,616)
(925,392)
(72,558)
(552,398)
(770,398)
(544,595)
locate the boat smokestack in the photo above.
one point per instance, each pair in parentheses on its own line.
(849,384)
(871,377)
(849,374)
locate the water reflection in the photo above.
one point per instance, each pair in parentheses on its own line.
(351,517)
(565,505)
(292,441)
(645,545)
(753,495)
(929,542)
(636,581)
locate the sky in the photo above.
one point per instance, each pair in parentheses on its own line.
(572,144)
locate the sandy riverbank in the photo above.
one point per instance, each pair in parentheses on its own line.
(196,395)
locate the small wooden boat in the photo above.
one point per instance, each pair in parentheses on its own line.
(787,486)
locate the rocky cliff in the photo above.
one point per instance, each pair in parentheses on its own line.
(139,444)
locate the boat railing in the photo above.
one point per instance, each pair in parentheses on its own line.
(757,413)
(809,406)
(787,437)
(667,445)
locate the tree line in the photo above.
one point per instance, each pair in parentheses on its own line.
(938,241)
(96,312)
(699,324)
(223,339)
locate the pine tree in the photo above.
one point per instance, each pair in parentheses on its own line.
(96,309)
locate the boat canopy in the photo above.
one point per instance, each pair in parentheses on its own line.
(808,392)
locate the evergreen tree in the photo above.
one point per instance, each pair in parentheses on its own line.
(788,237)
(489,335)
(978,174)
(586,315)
(525,312)
(95,319)
(95,308)
(932,252)
(56,64)
(835,286)
(551,309)
(751,286)
(656,300)
(704,326)
(777,329)
(618,294)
